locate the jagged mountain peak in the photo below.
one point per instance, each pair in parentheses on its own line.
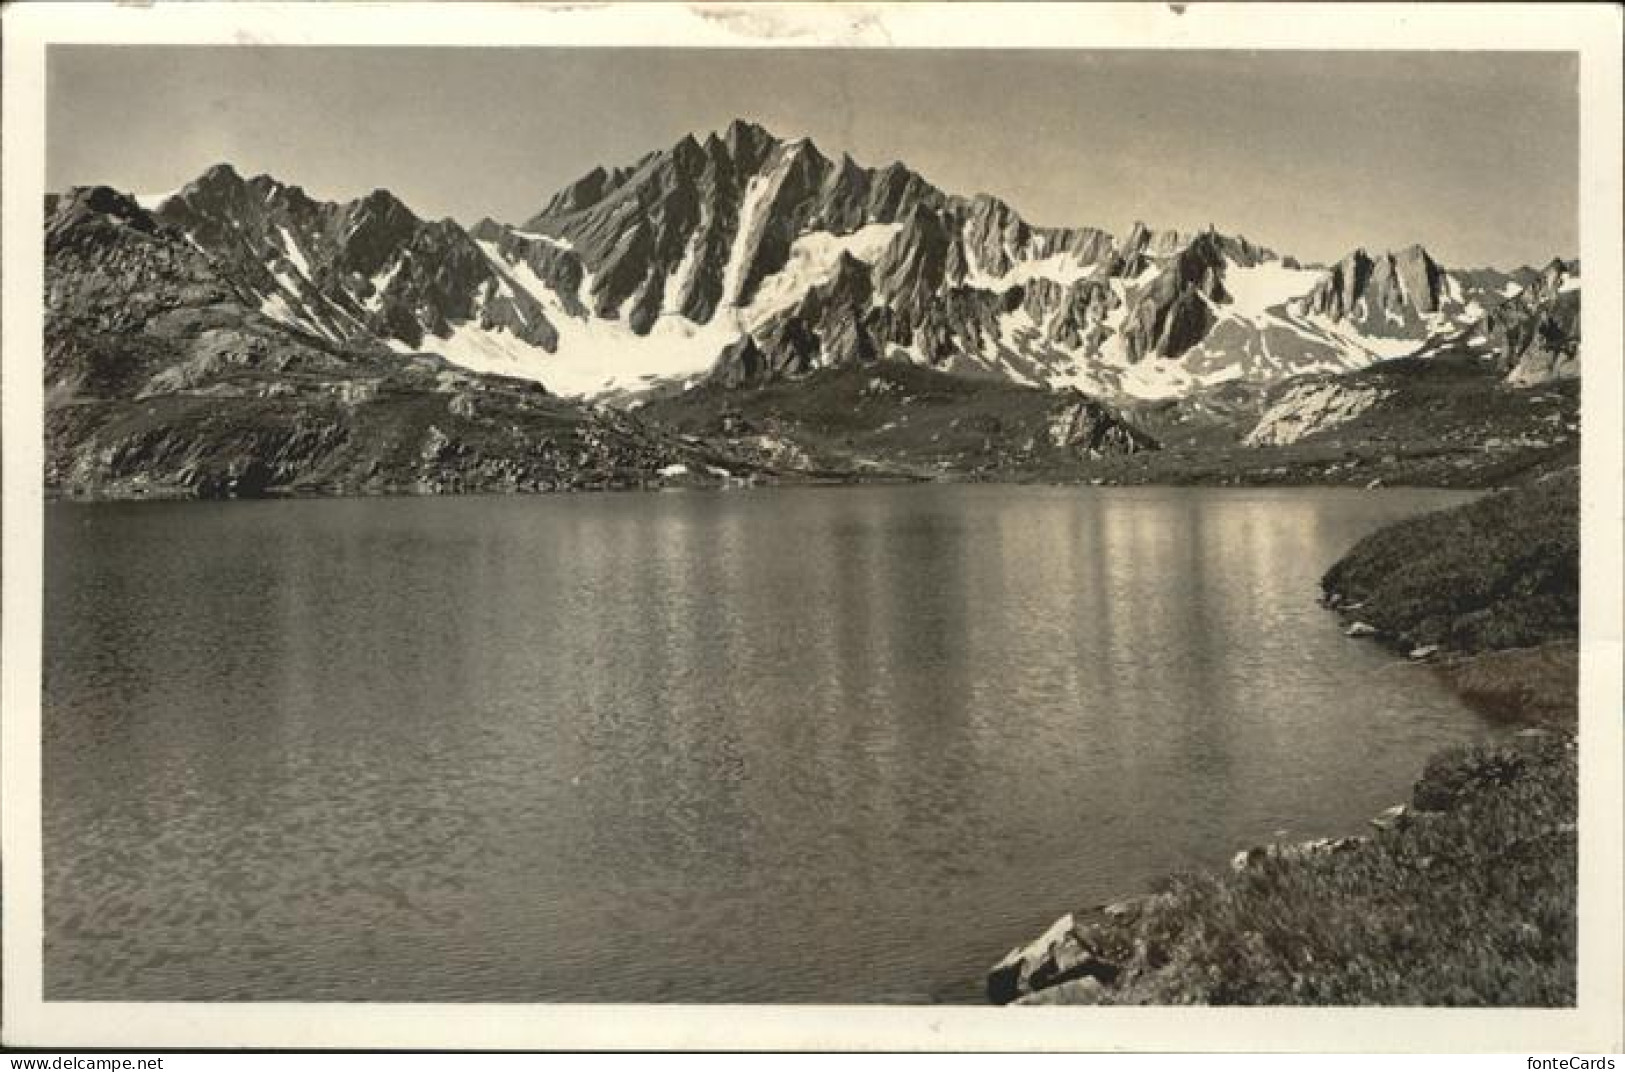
(364,273)
(225,185)
(384,209)
(741,129)
(217,183)
(1391,294)
(748,143)
(223,172)
(487,230)
(1415,252)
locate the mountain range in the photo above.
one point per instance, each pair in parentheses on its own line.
(724,265)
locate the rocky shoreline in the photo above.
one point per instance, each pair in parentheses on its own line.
(1462,895)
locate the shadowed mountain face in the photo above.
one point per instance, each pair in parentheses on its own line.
(1390,295)
(749,258)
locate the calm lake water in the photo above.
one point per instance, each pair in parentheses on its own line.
(833,745)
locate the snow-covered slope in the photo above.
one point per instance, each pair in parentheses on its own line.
(600,355)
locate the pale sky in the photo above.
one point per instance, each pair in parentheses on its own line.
(1475,155)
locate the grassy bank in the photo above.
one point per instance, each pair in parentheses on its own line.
(1496,574)
(1465,895)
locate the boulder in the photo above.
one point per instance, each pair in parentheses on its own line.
(1083,991)
(1060,955)
(1395,818)
(1010,977)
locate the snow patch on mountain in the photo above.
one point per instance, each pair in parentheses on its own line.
(552,240)
(682,277)
(286,282)
(490,351)
(1063,268)
(1363,349)
(753,215)
(1157,377)
(597,355)
(1257,292)
(813,261)
(277,308)
(295,254)
(380,283)
(153,202)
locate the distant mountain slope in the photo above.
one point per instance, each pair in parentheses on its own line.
(1533,335)
(765,249)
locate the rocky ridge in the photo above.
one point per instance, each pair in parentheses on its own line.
(659,272)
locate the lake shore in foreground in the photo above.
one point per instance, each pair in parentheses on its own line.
(1466,894)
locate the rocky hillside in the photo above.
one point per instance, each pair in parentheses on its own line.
(1450,400)
(1531,334)
(1535,334)
(165,376)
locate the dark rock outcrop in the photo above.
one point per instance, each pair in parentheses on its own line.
(1172,313)
(1086,427)
(1535,334)
(740,364)
(1059,956)
(1385,296)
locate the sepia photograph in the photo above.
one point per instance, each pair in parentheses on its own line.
(811,521)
